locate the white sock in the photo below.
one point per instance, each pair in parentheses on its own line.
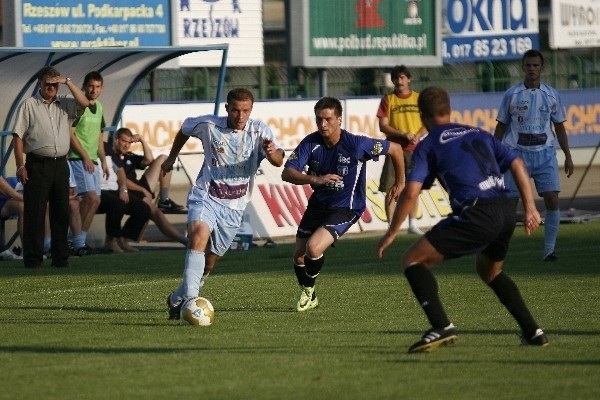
(79,240)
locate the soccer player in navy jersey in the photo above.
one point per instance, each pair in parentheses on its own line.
(469,163)
(526,116)
(333,161)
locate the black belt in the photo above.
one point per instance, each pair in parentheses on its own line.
(530,139)
(37,157)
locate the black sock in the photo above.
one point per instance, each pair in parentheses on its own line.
(425,288)
(300,271)
(313,267)
(508,293)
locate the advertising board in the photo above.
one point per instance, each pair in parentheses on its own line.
(488,30)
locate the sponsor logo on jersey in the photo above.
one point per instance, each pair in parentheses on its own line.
(377,148)
(491,182)
(343,160)
(455,133)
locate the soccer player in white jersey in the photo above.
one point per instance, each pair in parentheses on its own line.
(527,113)
(234,147)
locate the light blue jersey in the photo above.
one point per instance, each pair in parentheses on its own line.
(231,157)
(528,115)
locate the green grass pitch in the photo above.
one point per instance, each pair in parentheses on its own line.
(99,330)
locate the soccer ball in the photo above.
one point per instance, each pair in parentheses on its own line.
(198,311)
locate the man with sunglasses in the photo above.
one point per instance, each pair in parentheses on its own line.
(42,131)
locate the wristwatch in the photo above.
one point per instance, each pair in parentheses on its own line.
(67,81)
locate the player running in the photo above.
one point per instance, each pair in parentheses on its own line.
(335,164)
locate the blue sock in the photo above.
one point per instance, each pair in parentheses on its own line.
(179,293)
(551,223)
(192,275)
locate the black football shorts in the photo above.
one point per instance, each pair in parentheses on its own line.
(336,220)
(485,227)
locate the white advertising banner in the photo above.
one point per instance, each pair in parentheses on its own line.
(202,22)
(277,207)
(290,120)
(159,123)
(360,117)
(575,24)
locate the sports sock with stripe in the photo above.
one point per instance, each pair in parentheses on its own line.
(300,271)
(313,267)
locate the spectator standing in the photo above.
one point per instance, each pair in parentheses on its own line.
(399,120)
(234,146)
(42,131)
(527,113)
(469,164)
(87,159)
(335,164)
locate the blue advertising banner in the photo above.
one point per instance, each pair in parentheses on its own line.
(488,30)
(112,23)
(583,113)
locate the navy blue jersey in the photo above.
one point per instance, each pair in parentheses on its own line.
(468,162)
(346,159)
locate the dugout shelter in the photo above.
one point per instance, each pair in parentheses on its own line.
(122,69)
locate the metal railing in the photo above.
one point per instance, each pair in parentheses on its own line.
(276,81)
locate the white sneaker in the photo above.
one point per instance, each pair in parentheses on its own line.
(415,230)
(9,255)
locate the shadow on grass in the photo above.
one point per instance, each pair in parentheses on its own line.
(97,350)
(577,248)
(503,332)
(126,310)
(422,358)
(129,310)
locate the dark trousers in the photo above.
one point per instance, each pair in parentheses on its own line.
(115,209)
(48,185)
